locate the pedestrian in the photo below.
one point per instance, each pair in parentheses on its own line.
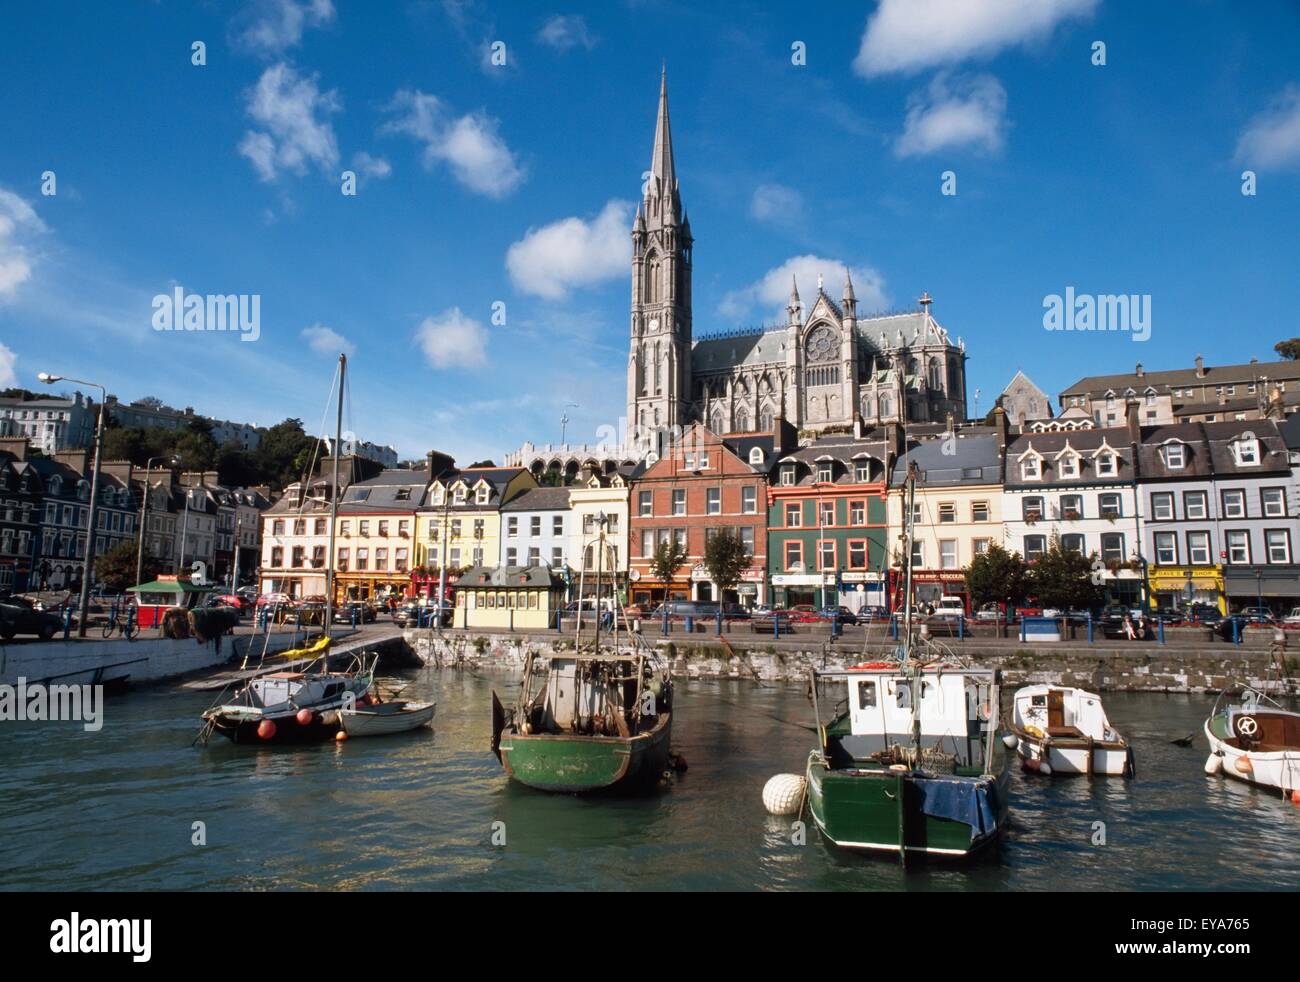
(1128,627)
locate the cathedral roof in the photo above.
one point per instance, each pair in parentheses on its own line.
(724,353)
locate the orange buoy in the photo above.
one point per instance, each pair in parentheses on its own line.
(304,717)
(266,729)
(341,735)
(1295,797)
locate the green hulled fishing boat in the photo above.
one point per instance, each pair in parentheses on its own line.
(598,718)
(911,760)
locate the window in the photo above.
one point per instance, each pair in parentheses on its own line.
(1175,456)
(557,524)
(381,559)
(794,555)
(1112,547)
(343,558)
(1247,451)
(749,500)
(793,515)
(756,456)
(826,512)
(454,557)
(689,461)
(1234,503)
(1166,549)
(404,528)
(918,555)
(1195,504)
(1029,469)
(704,460)
(458,495)
(713,501)
(299,526)
(787,475)
(679,501)
(1106,465)
(1238,544)
(1198,548)
(400,560)
(747,539)
(979,511)
(1162,506)
(826,552)
(857,554)
(277,556)
(383,529)
(1071,506)
(1033,509)
(1035,546)
(646,503)
(403,494)
(1069,465)
(363,559)
(557,556)
(824,472)
(299,557)
(947,553)
(1273,502)
(647,542)
(534,525)
(455,528)
(947,513)
(1073,542)
(866,695)
(481,496)
(1109,505)
(512,526)
(319,526)
(679,536)
(478,528)
(1278,543)
(363,528)
(857,513)
(534,556)
(980,546)
(862,471)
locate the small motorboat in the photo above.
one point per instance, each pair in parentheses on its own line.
(1256,743)
(1062,730)
(383,718)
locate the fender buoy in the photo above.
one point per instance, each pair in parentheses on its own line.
(1242,765)
(783,794)
(341,735)
(1213,764)
(266,729)
(304,717)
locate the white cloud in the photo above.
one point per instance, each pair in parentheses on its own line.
(8,376)
(17,221)
(272,26)
(470,145)
(771,292)
(295,131)
(776,203)
(1272,138)
(910,35)
(327,341)
(957,112)
(549,261)
(369,166)
(564,32)
(451,339)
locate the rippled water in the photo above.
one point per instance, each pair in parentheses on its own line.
(114,809)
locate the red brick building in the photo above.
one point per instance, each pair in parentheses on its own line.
(704,483)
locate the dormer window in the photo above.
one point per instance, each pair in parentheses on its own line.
(481,496)
(862,472)
(1069,466)
(787,475)
(704,460)
(458,496)
(756,457)
(1175,456)
(1030,469)
(690,461)
(824,472)
(1247,452)
(437,497)
(1106,464)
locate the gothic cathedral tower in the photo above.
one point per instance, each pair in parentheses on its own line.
(659,363)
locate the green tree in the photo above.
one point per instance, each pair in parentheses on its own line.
(668,556)
(996,575)
(726,558)
(115,569)
(1288,349)
(1063,578)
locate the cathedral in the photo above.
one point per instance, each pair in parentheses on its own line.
(822,369)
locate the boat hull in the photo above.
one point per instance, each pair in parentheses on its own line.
(323,726)
(881,811)
(576,764)
(1279,769)
(364,722)
(1109,760)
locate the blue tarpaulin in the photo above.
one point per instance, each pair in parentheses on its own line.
(973,801)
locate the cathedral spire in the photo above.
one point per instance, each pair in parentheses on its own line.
(662,168)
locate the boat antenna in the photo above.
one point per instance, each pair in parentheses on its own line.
(334,512)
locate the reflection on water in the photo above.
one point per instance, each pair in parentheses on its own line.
(115,809)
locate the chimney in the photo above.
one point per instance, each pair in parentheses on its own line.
(1276,407)
(1139,370)
(1200,367)
(1254,360)
(1131,421)
(1000,427)
(16,445)
(857,426)
(75,458)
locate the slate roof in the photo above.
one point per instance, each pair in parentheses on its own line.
(539,499)
(972,460)
(842,449)
(1214,375)
(381,493)
(508,577)
(1086,442)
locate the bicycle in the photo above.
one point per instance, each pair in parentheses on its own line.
(127,625)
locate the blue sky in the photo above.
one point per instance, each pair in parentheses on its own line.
(514,184)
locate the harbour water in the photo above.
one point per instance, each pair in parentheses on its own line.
(116,809)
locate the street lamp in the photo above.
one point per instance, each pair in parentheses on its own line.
(84,602)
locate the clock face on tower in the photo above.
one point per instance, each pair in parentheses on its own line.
(654,327)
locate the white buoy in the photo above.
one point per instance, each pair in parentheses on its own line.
(1011,740)
(1045,769)
(783,794)
(1213,764)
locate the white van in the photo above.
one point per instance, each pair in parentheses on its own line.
(950,606)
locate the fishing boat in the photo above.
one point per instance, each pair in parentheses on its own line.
(290,707)
(1063,730)
(909,761)
(593,719)
(384,718)
(1256,741)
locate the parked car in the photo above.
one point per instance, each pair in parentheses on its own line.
(1292,619)
(845,615)
(363,613)
(1258,615)
(20,616)
(275,600)
(408,615)
(1168,615)
(804,613)
(989,612)
(229,600)
(1202,613)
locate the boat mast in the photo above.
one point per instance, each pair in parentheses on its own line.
(334,507)
(909,526)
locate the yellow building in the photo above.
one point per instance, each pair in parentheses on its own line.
(459,523)
(374,540)
(958,513)
(508,598)
(589,498)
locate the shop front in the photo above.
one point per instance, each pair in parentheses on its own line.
(1182,586)
(929,586)
(1274,587)
(858,590)
(791,589)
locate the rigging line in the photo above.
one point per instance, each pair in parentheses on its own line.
(315,453)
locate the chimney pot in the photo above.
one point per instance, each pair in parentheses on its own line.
(1200,367)
(1139,369)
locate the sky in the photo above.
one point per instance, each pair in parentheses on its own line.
(478,277)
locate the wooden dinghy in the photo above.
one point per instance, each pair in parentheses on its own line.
(1063,730)
(386,717)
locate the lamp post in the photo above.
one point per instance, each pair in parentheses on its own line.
(144,512)
(84,601)
(1259,593)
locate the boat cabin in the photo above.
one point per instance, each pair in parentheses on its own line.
(1061,711)
(596,695)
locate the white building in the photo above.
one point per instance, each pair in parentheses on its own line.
(50,424)
(535,529)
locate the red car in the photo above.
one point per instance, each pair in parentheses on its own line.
(803,613)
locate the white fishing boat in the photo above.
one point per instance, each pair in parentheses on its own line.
(1063,730)
(384,718)
(1256,743)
